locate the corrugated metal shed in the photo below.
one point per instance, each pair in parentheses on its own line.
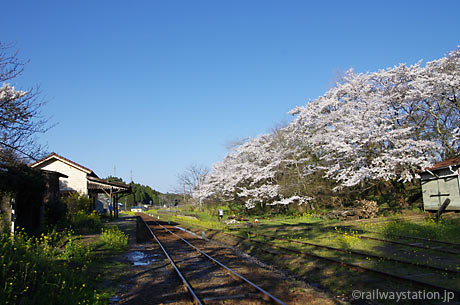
(442,182)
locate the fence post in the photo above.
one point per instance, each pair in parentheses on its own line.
(13,215)
(442,209)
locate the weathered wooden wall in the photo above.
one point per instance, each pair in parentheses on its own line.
(436,190)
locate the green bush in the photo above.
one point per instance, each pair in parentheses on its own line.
(236,208)
(55,213)
(77,202)
(86,223)
(32,273)
(114,238)
(75,251)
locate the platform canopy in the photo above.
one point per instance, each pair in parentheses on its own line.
(104,186)
(111,189)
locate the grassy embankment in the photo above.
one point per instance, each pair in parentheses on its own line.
(60,267)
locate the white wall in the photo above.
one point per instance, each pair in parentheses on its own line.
(77,178)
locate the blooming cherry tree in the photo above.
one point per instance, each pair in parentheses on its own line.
(384,125)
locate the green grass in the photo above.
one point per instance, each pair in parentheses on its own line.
(445,229)
(152,211)
(127,213)
(305,218)
(209,220)
(214,224)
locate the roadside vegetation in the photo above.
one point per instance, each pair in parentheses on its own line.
(61,265)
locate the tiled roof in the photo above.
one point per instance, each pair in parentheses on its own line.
(446,163)
(55,155)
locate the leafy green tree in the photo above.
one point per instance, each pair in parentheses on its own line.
(140,193)
(77,202)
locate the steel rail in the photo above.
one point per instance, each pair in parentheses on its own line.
(427,247)
(419,238)
(355,266)
(414,217)
(391,259)
(389,219)
(350,265)
(375,256)
(382,220)
(355,252)
(390,241)
(189,288)
(261,290)
(351,223)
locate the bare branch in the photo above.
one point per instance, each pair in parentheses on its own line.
(20,111)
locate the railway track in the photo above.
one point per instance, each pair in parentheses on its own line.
(205,272)
(412,279)
(440,246)
(421,243)
(443,247)
(455,246)
(366,255)
(448,215)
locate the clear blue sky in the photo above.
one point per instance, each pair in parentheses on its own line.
(155,86)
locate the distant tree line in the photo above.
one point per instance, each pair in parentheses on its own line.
(141,194)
